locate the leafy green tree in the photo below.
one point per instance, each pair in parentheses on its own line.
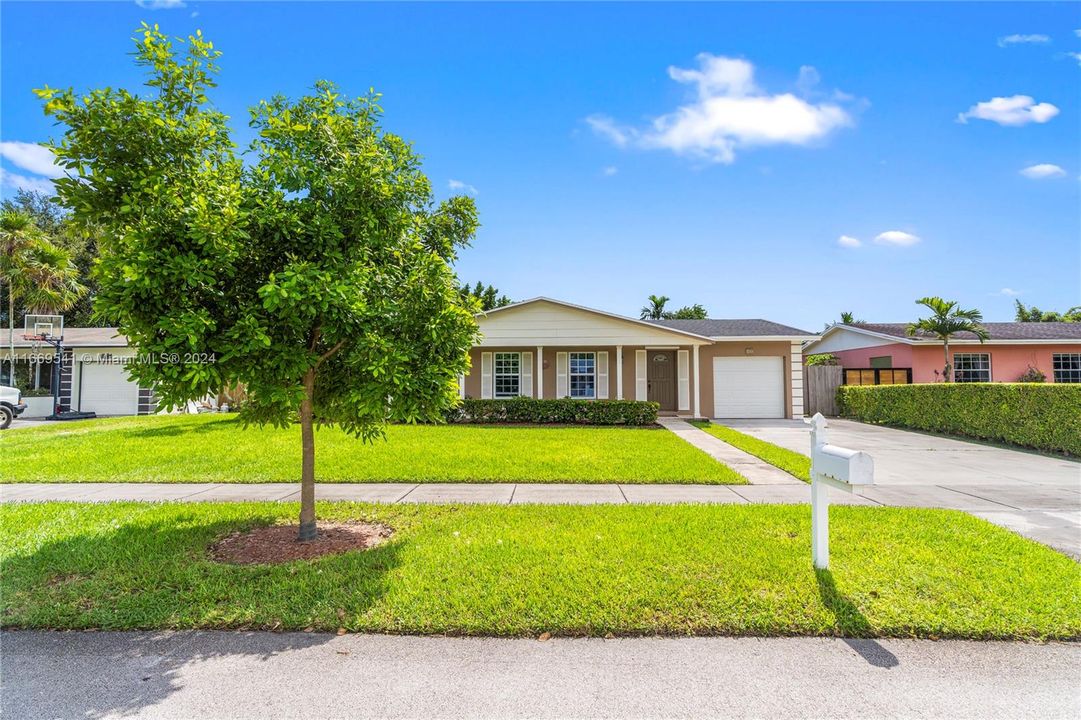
(687,312)
(1034,314)
(848,318)
(488,297)
(655,309)
(318,276)
(948,319)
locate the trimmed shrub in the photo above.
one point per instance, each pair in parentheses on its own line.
(555,412)
(1044,417)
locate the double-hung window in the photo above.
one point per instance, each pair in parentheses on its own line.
(583,375)
(1066,367)
(508,374)
(972,367)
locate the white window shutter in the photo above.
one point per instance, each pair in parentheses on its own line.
(640,375)
(461,387)
(602,375)
(683,370)
(486,376)
(562,390)
(526,380)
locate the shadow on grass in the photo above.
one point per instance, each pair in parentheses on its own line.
(148,576)
(852,623)
(230,424)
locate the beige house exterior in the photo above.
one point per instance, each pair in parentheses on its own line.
(547,348)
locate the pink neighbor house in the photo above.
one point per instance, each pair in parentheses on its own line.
(882,353)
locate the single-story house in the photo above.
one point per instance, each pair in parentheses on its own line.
(93,379)
(882,353)
(547,348)
(539,348)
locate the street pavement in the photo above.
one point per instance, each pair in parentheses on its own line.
(297,675)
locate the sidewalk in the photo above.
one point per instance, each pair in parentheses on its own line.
(308,675)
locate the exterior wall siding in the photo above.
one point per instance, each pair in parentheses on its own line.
(1008,362)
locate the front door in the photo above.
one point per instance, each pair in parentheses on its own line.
(661,378)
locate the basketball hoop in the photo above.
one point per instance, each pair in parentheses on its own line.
(35,343)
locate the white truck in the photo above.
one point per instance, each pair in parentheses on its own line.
(11,405)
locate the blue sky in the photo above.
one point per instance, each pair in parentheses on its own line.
(714,153)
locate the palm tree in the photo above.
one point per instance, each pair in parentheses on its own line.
(17,232)
(37,272)
(655,309)
(848,318)
(947,320)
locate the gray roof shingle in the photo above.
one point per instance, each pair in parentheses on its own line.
(998,330)
(733,328)
(74,337)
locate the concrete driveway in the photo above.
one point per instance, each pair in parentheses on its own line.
(1035,495)
(903,457)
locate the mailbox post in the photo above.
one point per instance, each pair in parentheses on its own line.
(836,467)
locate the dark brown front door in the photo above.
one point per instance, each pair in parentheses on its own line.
(661,378)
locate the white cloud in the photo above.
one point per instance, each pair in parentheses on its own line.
(1015,110)
(606,127)
(1043,170)
(1034,39)
(160,4)
(896,238)
(610,171)
(31,157)
(729,112)
(1075,55)
(15,181)
(848,241)
(461,186)
(1009,292)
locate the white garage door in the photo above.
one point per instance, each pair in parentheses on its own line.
(104,388)
(748,387)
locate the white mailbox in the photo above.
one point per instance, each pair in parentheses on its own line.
(836,467)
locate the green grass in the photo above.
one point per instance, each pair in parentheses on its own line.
(791,462)
(523,570)
(209,448)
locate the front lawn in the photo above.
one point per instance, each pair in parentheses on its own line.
(216,448)
(525,570)
(793,463)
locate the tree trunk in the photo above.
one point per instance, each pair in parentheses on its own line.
(947,371)
(307,463)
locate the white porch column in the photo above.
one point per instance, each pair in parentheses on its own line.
(697,375)
(540,372)
(619,372)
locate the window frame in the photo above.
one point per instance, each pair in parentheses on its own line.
(990,373)
(1075,358)
(496,375)
(571,374)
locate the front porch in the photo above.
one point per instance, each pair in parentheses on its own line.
(662,374)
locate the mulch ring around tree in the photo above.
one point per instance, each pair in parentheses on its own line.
(278,543)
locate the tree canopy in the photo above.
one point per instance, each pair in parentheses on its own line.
(318,274)
(655,310)
(1034,314)
(487,297)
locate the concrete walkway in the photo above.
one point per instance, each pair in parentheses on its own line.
(755,470)
(298,675)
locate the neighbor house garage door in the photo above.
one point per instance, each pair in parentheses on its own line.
(104,388)
(748,387)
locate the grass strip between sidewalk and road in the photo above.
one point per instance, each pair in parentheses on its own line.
(217,448)
(522,571)
(791,462)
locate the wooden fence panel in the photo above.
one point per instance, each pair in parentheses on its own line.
(822,382)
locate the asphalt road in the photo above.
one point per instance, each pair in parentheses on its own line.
(297,675)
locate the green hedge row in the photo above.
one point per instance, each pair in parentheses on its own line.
(560,412)
(1044,417)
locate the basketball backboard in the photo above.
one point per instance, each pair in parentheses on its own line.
(44,327)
